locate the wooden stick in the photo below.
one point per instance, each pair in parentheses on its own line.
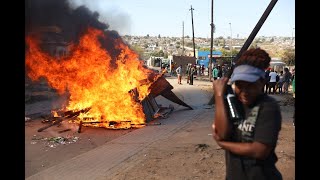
(65,130)
(54,123)
(80,126)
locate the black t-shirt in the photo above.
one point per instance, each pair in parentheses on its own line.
(262,123)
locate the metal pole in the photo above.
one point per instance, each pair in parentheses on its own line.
(292,36)
(194,46)
(253,33)
(250,39)
(182,38)
(211,48)
(231,43)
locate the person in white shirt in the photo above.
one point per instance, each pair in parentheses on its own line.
(272,81)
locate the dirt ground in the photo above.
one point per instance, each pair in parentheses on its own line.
(190,153)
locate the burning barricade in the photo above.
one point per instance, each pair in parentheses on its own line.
(108,85)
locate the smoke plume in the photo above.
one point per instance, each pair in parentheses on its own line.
(72,22)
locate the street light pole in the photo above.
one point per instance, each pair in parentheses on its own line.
(231,43)
(292,35)
(211,47)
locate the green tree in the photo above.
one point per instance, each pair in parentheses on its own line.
(158,54)
(289,56)
(204,49)
(166,55)
(161,53)
(224,52)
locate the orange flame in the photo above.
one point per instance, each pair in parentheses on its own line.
(91,80)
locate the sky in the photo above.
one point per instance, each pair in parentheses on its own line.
(172,18)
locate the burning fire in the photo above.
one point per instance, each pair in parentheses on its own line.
(92,80)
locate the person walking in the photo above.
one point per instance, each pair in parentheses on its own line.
(250,142)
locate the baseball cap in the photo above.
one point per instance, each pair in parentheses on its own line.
(247,73)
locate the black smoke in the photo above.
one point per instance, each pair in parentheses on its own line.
(72,22)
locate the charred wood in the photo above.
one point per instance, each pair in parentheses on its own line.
(71,113)
(80,127)
(52,124)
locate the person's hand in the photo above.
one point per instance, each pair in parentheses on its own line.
(214,134)
(219,86)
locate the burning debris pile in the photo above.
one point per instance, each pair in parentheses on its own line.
(107,84)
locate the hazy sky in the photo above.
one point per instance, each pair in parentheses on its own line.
(165,17)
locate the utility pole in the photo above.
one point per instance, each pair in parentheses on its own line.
(231,44)
(292,36)
(194,46)
(182,38)
(211,48)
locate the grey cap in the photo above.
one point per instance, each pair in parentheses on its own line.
(247,73)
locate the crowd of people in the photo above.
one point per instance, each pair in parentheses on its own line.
(276,82)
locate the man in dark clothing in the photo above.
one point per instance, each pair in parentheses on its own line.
(191,73)
(267,77)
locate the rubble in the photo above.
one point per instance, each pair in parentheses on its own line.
(55,141)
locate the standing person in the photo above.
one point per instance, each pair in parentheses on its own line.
(294,96)
(286,80)
(191,73)
(219,72)
(224,71)
(172,69)
(202,70)
(266,86)
(280,82)
(272,82)
(179,73)
(215,73)
(249,143)
(187,72)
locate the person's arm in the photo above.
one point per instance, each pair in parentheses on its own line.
(221,125)
(255,149)
(266,130)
